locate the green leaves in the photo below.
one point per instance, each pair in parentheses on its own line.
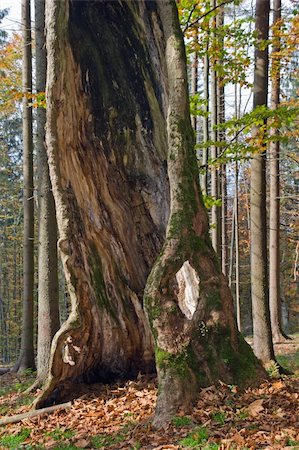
(239,143)
(210,201)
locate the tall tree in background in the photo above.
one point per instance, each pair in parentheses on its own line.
(263,346)
(274,193)
(26,358)
(222,182)
(125,181)
(11,216)
(48,299)
(205,119)
(215,222)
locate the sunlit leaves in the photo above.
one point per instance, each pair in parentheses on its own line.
(11,74)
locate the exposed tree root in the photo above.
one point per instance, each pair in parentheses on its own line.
(281,338)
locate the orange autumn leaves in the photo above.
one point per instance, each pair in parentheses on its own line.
(11,78)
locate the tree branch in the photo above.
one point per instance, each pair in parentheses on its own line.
(189,25)
(204,166)
(30,414)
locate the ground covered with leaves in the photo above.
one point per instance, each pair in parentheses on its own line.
(119,416)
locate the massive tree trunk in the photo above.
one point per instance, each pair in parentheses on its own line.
(107,150)
(122,161)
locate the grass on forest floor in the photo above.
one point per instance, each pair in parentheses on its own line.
(118,417)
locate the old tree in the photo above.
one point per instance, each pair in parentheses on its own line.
(143,278)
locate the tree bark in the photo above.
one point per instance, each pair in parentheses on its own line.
(48,298)
(235,224)
(26,358)
(109,178)
(123,164)
(263,346)
(205,121)
(235,221)
(222,182)
(194,81)
(274,190)
(188,302)
(215,235)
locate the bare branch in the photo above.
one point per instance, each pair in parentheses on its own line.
(189,25)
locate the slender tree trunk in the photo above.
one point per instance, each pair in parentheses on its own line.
(48,299)
(274,192)
(236,220)
(231,249)
(214,149)
(26,358)
(122,160)
(194,81)
(237,259)
(222,212)
(263,346)
(205,125)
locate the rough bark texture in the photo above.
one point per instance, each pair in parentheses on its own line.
(263,346)
(26,358)
(119,169)
(188,302)
(107,149)
(48,299)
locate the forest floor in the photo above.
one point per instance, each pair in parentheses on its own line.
(119,416)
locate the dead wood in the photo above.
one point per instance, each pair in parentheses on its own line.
(34,413)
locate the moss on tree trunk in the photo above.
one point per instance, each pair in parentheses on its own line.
(188,302)
(125,181)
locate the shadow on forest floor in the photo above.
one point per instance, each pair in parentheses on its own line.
(119,416)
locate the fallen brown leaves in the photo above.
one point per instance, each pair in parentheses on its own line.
(119,417)
(259,418)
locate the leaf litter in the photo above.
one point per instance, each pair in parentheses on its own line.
(119,417)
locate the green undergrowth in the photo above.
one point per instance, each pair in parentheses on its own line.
(290,361)
(11,406)
(59,434)
(20,384)
(198,439)
(14,441)
(219,417)
(181,421)
(107,440)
